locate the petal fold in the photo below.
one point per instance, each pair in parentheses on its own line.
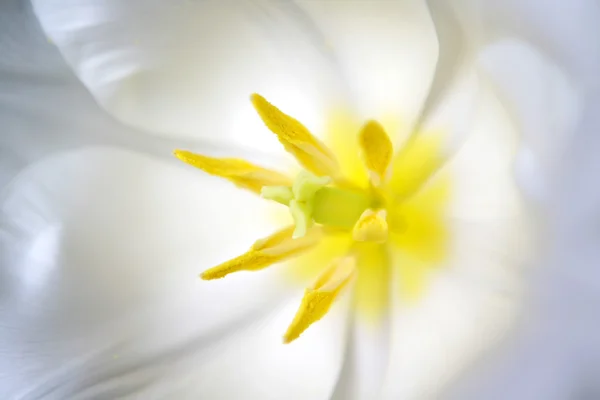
(265,252)
(310,152)
(318,299)
(242,173)
(184,69)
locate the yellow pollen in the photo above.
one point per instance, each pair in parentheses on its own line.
(376,150)
(265,252)
(320,296)
(240,172)
(308,150)
(371,227)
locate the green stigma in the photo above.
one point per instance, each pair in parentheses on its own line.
(311,201)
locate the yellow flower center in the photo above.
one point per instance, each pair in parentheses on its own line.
(353,226)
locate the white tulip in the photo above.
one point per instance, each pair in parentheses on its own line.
(103,233)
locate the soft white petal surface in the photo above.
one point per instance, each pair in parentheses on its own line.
(254,363)
(560,43)
(101,252)
(45,108)
(32,75)
(387,51)
(186,69)
(470,301)
(543,103)
(366,359)
(569,35)
(551,77)
(453,55)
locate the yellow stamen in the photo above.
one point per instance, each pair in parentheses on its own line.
(265,252)
(377,151)
(242,173)
(308,150)
(320,296)
(371,227)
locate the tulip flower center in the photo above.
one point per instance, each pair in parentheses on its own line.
(311,201)
(352,226)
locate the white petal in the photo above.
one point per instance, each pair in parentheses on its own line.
(252,363)
(441,335)
(569,38)
(31,76)
(488,216)
(470,301)
(186,69)
(555,346)
(101,254)
(566,40)
(454,51)
(482,144)
(568,35)
(550,359)
(536,363)
(387,51)
(543,103)
(365,361)
(44,108)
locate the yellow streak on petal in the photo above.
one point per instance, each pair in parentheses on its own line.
(342,136)
(418,231)
(320,296)
(418,226)
(414,164)
(372,291)
(376,149)
(297,140)
(242,173)
(371,227)
(412,275)
(309,264)
(265,252)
